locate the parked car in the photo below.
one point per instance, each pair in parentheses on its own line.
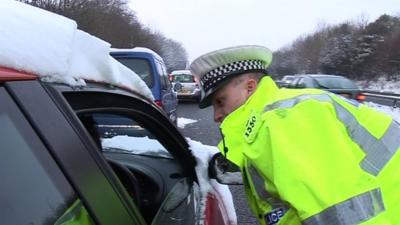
(151,68)
(82,141)
(185,84)
(333,83)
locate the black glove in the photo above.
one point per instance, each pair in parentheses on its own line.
(223,170)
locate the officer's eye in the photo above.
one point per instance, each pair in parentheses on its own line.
(219,102)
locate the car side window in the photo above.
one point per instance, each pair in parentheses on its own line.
(160,196)
(141,67)
(293,83)
(300,83)
(165,75)
(309,83)
(165,83)
(33,188)
(126,134)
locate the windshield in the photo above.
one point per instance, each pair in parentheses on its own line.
(141,67)
(335,83)
(183,78)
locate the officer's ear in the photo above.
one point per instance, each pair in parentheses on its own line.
(251,85)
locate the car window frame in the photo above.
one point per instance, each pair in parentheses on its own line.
(151,82)
(129,103)
(125,103)
(114,206)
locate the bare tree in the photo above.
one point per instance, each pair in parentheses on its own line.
(115,22)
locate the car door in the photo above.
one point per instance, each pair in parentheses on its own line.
(49,173)
(168,193)
(33,190)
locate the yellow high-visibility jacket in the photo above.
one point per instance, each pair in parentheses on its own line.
(312,157)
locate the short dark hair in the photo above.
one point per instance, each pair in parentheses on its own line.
(254,75)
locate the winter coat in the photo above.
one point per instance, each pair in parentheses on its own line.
(312,157)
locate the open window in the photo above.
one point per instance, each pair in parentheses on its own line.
(152,176)
(145,151)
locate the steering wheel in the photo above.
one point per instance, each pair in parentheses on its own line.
(128,179)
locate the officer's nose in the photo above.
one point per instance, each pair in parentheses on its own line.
(218,115)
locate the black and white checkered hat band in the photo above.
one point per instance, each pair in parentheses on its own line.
(215,76)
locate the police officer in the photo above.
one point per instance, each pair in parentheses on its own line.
(307,156)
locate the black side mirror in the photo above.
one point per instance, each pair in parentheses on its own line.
(224,171)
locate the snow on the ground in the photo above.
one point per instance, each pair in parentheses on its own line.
(50,46)
(182,122)
(381,84)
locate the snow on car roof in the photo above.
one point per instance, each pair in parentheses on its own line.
(181,72)
(138,49)
(50,46)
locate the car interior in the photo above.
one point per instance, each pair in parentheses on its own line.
(148,175)
(152,161)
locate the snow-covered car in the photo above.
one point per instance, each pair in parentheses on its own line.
(184,83)
(82,141)
(152,70)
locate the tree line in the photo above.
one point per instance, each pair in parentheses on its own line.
(358,50)
(115,22)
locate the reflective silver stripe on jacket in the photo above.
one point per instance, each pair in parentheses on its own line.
(278,207)
(352,211)
(378,151)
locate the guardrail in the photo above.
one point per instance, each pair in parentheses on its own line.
(383,98)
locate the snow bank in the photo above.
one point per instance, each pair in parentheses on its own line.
(49,45)
(182,122)
(381,84)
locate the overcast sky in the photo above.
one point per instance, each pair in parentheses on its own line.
(206,25)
